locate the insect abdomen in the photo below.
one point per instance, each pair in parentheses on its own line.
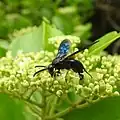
(75,65)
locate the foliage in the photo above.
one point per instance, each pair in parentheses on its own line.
(24,97)
(68,17)
(49,94)
(49,98)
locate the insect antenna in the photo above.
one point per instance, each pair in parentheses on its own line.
(40,66)
(39,71)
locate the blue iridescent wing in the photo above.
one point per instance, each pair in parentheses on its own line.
(63,48)
(81,49)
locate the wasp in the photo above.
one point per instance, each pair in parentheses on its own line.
(62,61)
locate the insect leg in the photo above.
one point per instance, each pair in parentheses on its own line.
(58,72)
(81,76)
(87,72)
(66,76)
(54,75)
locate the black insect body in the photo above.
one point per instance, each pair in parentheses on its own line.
(75,65)
(62,61)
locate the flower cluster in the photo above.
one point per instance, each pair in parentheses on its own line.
(16,75)
(21,32)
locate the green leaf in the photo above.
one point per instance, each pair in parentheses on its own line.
(3,47)
(2,52)
(36,40)
(107,109)
(104,42)
(10,109)
(4,44)
(63,23)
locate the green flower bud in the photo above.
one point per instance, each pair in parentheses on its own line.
(25,83)
(59,93)
(102,85)
(112,80)
(85,92)
(91,85)
(96,89)
(16,74)
(116,93)
(109,89)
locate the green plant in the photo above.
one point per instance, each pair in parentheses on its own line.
(47,98)
(15,14)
